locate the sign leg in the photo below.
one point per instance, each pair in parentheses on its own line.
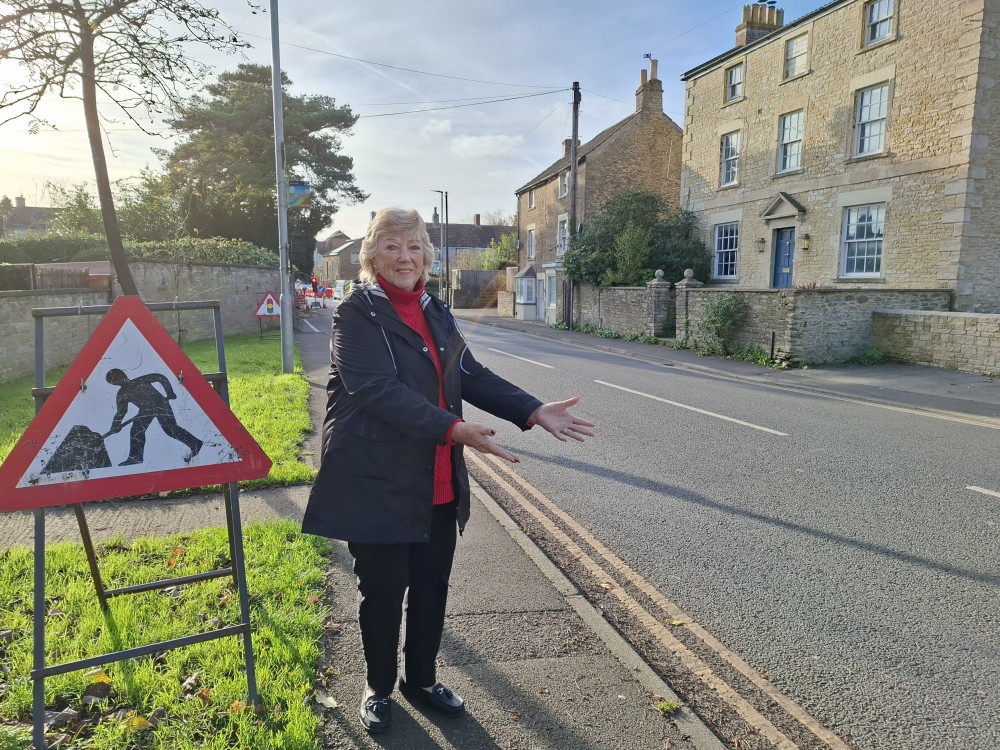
(232,494)
(88,545)
(38,697)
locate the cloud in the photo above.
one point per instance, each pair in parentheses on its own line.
(435,128)
(477,146)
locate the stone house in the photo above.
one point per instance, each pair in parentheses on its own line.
(853,148)
(341,263)
(641,151)
(26,220)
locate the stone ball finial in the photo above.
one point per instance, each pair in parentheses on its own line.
(659,274)
(688,273)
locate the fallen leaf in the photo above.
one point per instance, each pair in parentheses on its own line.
(137,724)
(224,601)
(312,599)
(325,700)
(238,707)
(190,683)
(608,585)
(677,622)
(203,694)
(96,692)
(97,675)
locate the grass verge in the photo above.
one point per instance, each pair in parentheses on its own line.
(273,406)
(185,698)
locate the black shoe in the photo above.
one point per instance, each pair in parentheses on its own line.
(439,699)
(376,713)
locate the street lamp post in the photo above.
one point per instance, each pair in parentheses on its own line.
(446,288)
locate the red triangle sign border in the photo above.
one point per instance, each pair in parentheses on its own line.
(252,461)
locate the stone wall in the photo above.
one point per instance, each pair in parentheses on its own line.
(239,289)
(968,342)
(505,304)
(646,311)
(811,326)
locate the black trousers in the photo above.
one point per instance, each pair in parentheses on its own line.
(419,572)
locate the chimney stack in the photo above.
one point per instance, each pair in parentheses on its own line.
(758,21)
(475,219)
(649,95)
(567,142)
(435,218)
(19,201)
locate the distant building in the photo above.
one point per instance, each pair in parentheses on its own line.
(641,151)
(27,220)
(342,262)
(475,237)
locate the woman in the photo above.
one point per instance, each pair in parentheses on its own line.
(392,482)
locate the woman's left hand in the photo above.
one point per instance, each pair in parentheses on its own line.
(555,418)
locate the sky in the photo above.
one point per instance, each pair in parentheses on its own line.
(418,75)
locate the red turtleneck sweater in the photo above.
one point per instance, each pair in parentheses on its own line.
(407,304)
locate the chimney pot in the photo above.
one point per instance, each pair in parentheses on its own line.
(475,219)
(652,70)
(642,77)
(758,21)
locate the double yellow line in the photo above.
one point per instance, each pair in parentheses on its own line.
(603,564)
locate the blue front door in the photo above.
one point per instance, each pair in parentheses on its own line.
(784,255)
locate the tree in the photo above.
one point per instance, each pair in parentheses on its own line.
(6,210)
(78,212)
(672,240)
(499,218)
(225,167)
(129,50)
(501,254)
(147,209)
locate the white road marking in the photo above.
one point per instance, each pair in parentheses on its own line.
(985,492)
(307,323)
(693,408)
(529,361)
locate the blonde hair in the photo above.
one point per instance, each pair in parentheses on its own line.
(404,223)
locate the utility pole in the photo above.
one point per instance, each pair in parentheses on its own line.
(441,227)
(572,185)
(447,260)
(286,301)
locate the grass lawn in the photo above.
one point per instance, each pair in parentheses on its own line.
(190,697)
(272,406)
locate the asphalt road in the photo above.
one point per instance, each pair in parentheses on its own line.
(834,545)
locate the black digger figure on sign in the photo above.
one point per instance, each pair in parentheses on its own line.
(152,404)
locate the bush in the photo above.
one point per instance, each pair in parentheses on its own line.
(751,353)
(50,249)
(13,277)
(209,250)
(719,318)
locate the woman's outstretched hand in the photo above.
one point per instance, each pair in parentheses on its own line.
(555,418)
(479,436)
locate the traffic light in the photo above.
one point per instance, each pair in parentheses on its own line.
(315,284)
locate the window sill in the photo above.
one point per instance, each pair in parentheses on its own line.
(868,157)
(725,280)
(859,280)
(737,100)
(787,173)
(730,186)
(795,77)
(877,44)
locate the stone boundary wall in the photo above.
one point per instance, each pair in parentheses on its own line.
(810,326)
(239,290)
(967,342)
(505,304)
(646,311)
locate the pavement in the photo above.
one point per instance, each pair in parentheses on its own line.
(539,667)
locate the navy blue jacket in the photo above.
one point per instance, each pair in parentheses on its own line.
(383,424)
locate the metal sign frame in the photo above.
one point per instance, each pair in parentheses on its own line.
(237,568)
